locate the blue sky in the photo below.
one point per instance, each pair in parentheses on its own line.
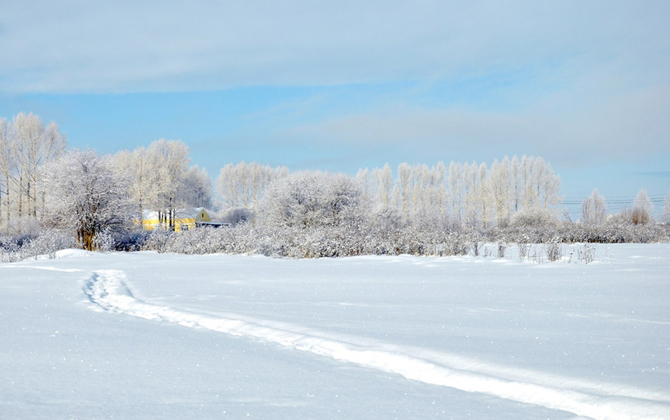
(340,85)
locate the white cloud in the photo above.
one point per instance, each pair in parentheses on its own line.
(596,74)
(145,46)
(629,127)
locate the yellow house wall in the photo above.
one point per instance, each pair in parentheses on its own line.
(179,224)
(203,216)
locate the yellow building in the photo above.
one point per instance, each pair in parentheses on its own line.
(185,219)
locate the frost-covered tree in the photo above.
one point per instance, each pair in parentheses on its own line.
(243,185)
(85,196)
(594,209)
(527,172)
(135,167)
(314,199)
(468,193)
(226,186)
(385,185)
(498,189)
(484,193)
(455,187)
(440,174)
(168,162)
(548,184)
(35,145)
(7,165)
(197,188)
(643,209)
(25,144)
(472,193)
(516,179)
(159,179)
(402,189)
(363,178)
(419,190)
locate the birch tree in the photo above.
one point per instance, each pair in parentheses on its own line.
(402,188)
(455,185)
(441,189)
(385,182)
(472,192)
(242,185)
(168,160)
(35,145)
(516,179)
(363,178)
(498,186)
(484,193)
(6,168)
(528,193)
(136,167)
(197,188)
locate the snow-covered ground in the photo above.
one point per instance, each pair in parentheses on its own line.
(149,336)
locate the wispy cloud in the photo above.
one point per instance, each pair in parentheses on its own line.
(628,125)
(422,80)
(144,46)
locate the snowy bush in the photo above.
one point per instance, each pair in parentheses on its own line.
(534,218)
(237,215)
(104,241)
(617,229)
(370,239)
(130,240)
(327,241)
(315,215)
(157,240)
(22,226)
(9,247)
(46,243)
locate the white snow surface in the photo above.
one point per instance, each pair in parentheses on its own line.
(145,335)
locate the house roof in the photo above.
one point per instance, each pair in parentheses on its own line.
(189,213)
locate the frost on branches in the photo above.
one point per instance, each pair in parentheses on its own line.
(441,210)
(314,199)
(83,195)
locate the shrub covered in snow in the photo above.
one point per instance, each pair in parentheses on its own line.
(237,215)
(47,242)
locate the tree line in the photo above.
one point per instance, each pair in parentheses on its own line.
(26,144)
(462,194)
(43,185)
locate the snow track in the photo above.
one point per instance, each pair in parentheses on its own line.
(600,401)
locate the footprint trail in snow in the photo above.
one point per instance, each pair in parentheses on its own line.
(600,401)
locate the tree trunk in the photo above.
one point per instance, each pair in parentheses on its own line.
(9,210)
(86,238)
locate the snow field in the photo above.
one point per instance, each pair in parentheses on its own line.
(548,338)
(108,289)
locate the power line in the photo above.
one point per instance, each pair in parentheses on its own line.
(655,199)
